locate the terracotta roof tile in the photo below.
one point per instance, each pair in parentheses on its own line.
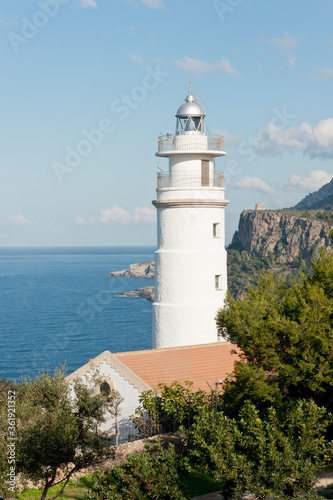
(198,364)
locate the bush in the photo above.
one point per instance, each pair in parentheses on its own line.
(152,474)
(272,455)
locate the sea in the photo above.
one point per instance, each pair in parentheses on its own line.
(58,306)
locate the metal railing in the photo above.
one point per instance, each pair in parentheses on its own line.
(189,179)
(190,142)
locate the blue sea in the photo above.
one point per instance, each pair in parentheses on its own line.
(59,305)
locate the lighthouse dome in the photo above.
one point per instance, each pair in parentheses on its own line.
(191,107)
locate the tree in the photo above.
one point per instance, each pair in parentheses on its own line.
(286,335)
(274,454)
(174,407)
(57,429)
(115,399)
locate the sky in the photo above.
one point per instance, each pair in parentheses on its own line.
(87,86)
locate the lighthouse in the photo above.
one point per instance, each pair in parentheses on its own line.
(191,260)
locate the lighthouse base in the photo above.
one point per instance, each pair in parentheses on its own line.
(177,325)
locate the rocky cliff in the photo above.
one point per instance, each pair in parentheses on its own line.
(286,235)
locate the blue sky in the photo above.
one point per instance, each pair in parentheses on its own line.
(87,86)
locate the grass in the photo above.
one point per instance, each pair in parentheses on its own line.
(75,490)
(198,484)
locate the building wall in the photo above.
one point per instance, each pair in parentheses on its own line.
(127,408)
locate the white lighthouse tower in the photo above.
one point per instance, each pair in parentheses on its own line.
(191,261)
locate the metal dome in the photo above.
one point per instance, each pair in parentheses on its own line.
(190,108)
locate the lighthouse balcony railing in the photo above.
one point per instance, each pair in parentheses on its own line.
(190,142)
(189,179)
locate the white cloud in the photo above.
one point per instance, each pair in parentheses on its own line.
(316,142)
(286,44)
(112,215)
(119,215)
(197,67)
(20,219)
(144,215)
(80,220)
(315,180)
(90,4)
(229,138)
(322,74)
(153,4)
(137,58)
(254,183)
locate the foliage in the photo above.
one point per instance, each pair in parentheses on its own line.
(173,408)
(149,475)
(273,455)
(57,429)
(244,270)
(286,335)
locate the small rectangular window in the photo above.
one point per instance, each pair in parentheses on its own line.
(204,172)
(216,230)
(217,282)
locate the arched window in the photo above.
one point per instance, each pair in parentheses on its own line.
(105,389)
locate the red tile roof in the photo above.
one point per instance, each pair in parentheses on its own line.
(197,363)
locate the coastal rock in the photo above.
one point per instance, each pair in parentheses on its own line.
(287,237)
(146,292)
(138,270)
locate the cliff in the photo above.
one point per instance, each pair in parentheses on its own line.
(288,236)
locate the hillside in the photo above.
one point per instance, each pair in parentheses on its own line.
(323,198)
(276,241)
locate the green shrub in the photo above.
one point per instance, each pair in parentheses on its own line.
(152,474)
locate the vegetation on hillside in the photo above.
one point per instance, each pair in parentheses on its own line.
(286,335)
(244,270)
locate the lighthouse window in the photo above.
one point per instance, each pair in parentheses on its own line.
(217,282)
(189,124)
(216,230)
(204,173)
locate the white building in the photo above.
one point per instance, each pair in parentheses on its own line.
(191,261)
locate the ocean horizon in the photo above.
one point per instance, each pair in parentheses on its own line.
(59,306)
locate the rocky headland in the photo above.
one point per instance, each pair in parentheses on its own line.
(147,292)
(138,270)
(287,235)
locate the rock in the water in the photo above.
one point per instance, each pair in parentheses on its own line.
(146,292)
(139,270)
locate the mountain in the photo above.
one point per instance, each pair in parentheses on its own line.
(323,198)
(287,235)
